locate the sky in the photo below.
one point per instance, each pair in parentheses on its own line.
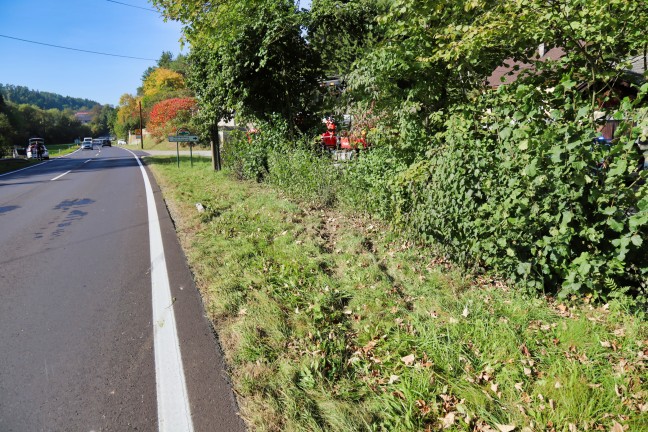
(104,26)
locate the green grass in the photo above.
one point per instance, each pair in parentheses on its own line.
(8,165)
(150,144)
(332,322)
(55,150)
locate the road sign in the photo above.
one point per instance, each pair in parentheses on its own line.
(183,138)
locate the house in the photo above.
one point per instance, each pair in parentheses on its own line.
(510,71)
(84,117)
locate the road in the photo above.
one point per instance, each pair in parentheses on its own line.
(89,297)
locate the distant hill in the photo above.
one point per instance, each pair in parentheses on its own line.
(43,100)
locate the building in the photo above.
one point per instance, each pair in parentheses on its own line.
(84,117)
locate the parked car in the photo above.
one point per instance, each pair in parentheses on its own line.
(19,152)
(33,149)
(121,142)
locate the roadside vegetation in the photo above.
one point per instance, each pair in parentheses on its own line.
(26,113)
(483,266)
(332,321)
(56,150)
(8,165)
(500,175)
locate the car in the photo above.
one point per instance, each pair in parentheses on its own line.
(96,142)
(87,139)
(121,142)
(33,146)
(86,145)
(19,152)
(106,143)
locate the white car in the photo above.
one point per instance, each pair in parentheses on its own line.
(121,142)
(87,145)
(32,149)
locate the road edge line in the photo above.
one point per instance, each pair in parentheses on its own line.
(32,166)
(174,412)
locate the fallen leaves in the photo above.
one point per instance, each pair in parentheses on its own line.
(408,359)
(448,420)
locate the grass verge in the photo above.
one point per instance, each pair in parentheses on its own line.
(150,144)
(8,165)
(330,322)
(55,150)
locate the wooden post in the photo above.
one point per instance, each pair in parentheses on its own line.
(141,129)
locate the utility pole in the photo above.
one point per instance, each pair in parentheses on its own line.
(141,129)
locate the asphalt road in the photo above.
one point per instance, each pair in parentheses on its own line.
(76,315)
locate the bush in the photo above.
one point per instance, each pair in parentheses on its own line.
(518,186)
(305,176)
(369,184)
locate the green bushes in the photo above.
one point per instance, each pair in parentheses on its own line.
(515,183)
(518,186)
(368,183)
(305,175)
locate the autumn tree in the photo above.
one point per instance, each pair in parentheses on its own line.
(127,115)
(168,115)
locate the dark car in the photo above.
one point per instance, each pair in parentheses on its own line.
(106,143)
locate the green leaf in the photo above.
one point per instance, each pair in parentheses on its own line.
(615,225)
(636,240)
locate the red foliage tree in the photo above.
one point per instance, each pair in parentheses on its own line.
(170,114)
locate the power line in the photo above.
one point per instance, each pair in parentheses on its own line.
(133,6)
(76,49)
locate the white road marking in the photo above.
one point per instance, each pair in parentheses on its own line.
(174,413)
(58,177)
(87,161)
(35,165)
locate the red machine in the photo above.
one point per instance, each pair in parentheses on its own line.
(332,141)
(329,139)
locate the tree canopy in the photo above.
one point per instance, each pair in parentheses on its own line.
(44,100)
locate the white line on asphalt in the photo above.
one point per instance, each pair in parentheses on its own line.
(87,161)
(174,413)
(35,165)
(58,177)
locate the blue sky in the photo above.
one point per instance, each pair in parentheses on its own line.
(94,25)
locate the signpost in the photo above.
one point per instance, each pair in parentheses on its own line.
(183,135)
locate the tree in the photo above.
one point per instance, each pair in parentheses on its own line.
(340,31)
(43,100)
(257,57)
(127,115)
(168,115)
(162,80)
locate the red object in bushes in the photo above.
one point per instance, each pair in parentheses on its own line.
(329,139)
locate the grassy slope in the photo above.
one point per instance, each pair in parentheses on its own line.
(331,322)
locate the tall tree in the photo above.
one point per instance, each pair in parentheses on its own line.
(264,64)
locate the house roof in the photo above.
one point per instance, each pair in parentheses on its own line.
(83,115)
(508,72)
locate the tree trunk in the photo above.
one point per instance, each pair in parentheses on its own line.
(215,147)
